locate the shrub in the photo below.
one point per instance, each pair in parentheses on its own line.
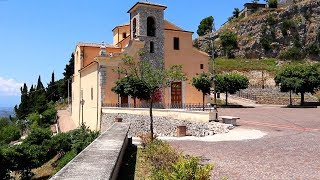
(286,25)
(38,136)
(49,116)
(9,133)
(271,20)
(167,163)
(82,137)
(161,154)
(146,138)
(273,3)
(190,168)
(229,42)
(313,49)
(65,159)
(293,53)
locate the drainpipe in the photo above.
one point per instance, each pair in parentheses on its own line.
(79,97)
(98,72)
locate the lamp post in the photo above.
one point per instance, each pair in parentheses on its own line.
(82,103)
(213,72)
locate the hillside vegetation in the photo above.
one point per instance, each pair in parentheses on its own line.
(292,32)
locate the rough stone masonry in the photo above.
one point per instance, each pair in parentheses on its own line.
(165,126)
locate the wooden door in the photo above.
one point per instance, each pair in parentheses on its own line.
(176,93)
(124,101)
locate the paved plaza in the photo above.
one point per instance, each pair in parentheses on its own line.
(290,150)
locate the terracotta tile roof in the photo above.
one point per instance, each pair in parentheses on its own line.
(147,3)
(94,44)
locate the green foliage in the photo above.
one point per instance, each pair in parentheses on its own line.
(313,49)
(299,79)
(273,3)
(286,25)
(205,26)
(186,169)
(236,12)
(293,53)
(131,86)
(38,136)
(153,79)
(226,65)
(231,83)
(66,159)
(271,20)
(167,163)
(202,82)
(52,92)
(9,131)
(81,138)
(196,44)
(228,42)
(24,108)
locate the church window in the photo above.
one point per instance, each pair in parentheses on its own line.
(134,27)
(151,26)
(151,47)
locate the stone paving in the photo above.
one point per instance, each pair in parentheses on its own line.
(290,150)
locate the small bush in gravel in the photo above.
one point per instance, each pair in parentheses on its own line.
(168,163)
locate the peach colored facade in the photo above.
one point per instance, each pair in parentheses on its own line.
(96,65)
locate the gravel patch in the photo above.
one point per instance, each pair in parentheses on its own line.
(165,126)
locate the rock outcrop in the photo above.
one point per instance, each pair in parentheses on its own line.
(270,32)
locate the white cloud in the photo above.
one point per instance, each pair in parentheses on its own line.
(9,87)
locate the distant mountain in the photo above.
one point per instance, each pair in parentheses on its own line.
(6,111)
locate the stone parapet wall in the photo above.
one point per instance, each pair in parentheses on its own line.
(101,159)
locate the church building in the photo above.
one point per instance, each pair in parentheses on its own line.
(162,43)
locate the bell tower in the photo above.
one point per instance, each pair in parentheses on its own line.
(147,25)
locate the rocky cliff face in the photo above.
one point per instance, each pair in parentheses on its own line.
(271,32)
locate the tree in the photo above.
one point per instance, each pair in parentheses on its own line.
(131,86)
(236,12)
(298,79)
(231,83)
(68,73)
(205,26)
(52,90)
(24,108)
(228,42)
(272,3)
(154,78)
(40,97)
(202,82)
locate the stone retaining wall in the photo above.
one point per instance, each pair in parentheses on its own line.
(163,125)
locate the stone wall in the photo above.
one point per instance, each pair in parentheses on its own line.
(164,126)
(141,14)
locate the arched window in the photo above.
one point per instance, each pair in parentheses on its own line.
(134,27)
(151,27)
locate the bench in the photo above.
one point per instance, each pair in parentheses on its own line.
(229,120)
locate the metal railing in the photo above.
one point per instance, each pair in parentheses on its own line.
(184,106)
(246,95)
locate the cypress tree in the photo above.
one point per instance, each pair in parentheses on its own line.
(52,90)
(24,107)
(40,97)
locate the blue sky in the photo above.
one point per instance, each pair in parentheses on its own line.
(38,37)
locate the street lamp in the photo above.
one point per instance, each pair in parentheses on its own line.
(82,103)
(213,72)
